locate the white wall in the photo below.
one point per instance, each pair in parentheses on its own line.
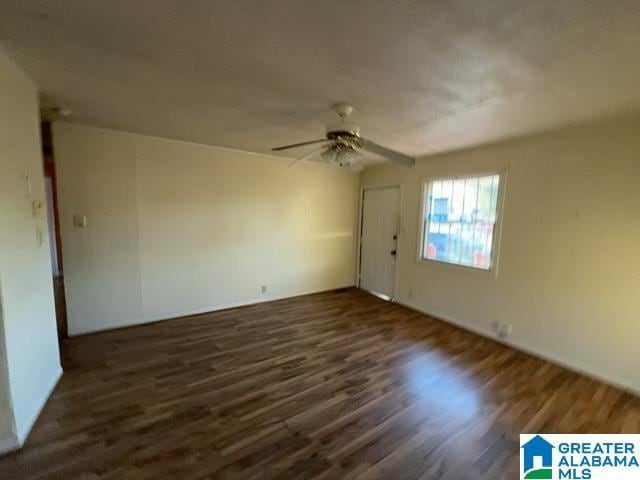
(569,260)
(175,228)
(29,357)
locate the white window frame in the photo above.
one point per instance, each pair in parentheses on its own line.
(497,227)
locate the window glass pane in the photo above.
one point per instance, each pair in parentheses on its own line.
(457,200)
(461,214)
(485,190)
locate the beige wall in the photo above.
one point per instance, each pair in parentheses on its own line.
(29,359)
(569,260)
(175,228)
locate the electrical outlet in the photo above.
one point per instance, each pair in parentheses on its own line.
(502,329)
(264,289)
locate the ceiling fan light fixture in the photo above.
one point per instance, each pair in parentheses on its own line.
(342,156)
(347,156)
(329,155)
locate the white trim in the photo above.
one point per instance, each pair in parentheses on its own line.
(623,384)
(401,228)
(497,227)
(242,303)
(22,435)
(200,311)
(376,294)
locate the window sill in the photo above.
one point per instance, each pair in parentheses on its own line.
(439,265)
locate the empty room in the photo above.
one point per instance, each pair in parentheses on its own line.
(319,239)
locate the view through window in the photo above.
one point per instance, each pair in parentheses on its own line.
(460,216)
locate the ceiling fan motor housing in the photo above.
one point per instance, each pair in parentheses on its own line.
(343,129)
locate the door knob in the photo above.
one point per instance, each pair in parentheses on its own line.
(393,252)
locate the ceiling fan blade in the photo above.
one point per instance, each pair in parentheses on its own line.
(387,153)
(313,152)
(295,145)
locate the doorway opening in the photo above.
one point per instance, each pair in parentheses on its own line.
(53,221)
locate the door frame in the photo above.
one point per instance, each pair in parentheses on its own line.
(381,186)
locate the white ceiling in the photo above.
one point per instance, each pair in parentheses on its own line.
(425,76)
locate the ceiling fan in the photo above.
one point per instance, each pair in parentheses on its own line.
(343,144)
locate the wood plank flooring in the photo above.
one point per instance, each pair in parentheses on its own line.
(338,385)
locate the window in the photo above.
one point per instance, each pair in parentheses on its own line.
(460,219)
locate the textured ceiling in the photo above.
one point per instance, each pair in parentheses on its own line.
(425,76)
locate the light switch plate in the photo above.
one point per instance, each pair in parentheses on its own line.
(79,220)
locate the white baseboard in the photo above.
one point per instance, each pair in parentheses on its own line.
(603,377)
(225,306)
(24,431)
(199,311)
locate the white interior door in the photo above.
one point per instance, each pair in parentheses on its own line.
(378,241)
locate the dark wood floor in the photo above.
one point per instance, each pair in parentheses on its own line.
(328,386)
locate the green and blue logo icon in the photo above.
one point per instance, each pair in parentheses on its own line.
(537,459)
